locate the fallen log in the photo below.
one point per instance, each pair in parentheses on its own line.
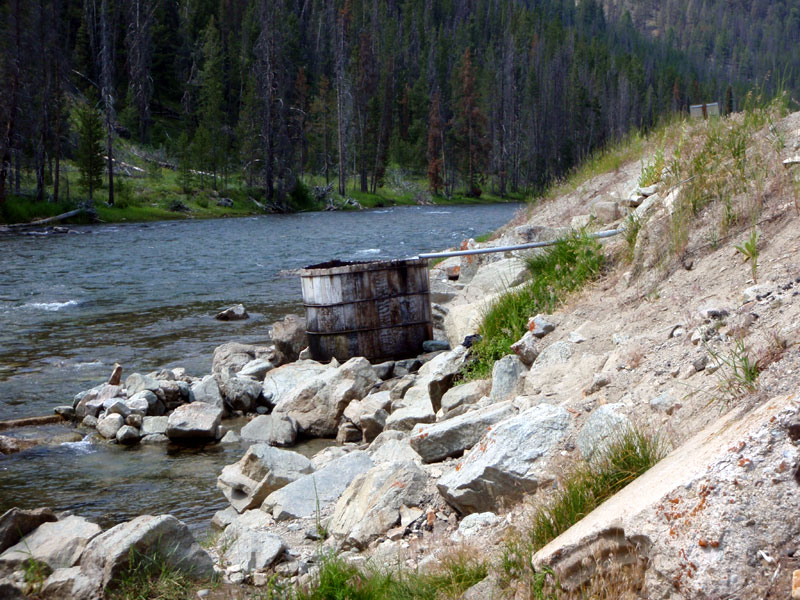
(28,421)
(61,217)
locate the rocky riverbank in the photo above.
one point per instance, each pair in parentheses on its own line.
(689,345)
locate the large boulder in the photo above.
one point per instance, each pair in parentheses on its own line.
(317,404)
(155,425)
(279,382)
(391,447)
(496,277)
(371,504)
(716,516)
(239,393)
(17,522)
(58,544)
(162,537)
(373,413)
(311,493)
(262,470)
(234,356)
(207,391)
(257,369)
(194,422)
(276,430)
(289,336)
(509,462)
(253,550)
(452,437)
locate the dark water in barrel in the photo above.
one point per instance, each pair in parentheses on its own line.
(144,295)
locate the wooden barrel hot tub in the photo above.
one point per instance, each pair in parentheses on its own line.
(379,310)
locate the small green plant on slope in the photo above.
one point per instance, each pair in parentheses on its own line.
(563,268)
(750,251)
(633,225)
(653,171)
(737,371)
(623,459)
(338,580)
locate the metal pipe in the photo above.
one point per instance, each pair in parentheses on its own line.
(597,235)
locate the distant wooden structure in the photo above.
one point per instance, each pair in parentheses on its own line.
(703,111)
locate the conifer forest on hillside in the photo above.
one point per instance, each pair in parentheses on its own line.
(469,97)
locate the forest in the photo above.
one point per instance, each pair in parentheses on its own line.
(473,96)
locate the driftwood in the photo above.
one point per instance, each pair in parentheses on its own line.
(61,217)
(27,422)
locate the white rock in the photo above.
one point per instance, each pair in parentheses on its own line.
(602,426)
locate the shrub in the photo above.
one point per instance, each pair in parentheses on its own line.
(563,268)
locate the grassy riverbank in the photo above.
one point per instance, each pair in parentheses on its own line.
(154,193)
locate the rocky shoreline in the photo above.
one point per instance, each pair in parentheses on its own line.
(425,463)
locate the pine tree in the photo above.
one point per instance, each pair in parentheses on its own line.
(208,138)
(89,156)
(435,162)
(323,108)
(729,100)
(470,129)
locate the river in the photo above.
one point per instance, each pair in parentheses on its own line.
(144,295)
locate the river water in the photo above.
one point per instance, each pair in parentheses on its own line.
(144,295)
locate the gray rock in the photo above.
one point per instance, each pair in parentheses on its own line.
(127,435)
(392,447)
(665,402)
(435,346)
(16,523)
(139,405)
(599,381)
(223,518)
(233,313)
(207,390)
(371,504)
(253,550)
(154,438)
(526,348)
(406,366)
(453,436)
(65,411)
(153,425)
(262,470)
(462,396)
(10,445)
(755,292)
(109,425)
(302,498)
(414,407)
(276,430)
(348,433)
(194,422)
(279,382)
(474,524)
(134,420)
(68,584)
(118,406)
(606,211)
(555,354)
(507,377)
(239,393)
(317,404)
(89,421)
(374,412)
(601,427)
(257,369)
(510,461)
(384,370)
(235,356)
(230,437)
(289,336)
(107,555)
(58,544)
(225,203)
(539,326)
(136,383)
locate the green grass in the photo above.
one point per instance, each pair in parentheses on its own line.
(562,269)
(151,578)
(338,580)
(584,488)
